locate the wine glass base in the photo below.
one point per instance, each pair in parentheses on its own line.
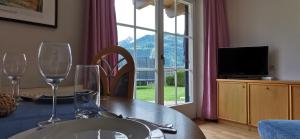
(49,122)
(86,114)
(18,100)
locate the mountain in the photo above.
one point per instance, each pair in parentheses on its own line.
(145,50)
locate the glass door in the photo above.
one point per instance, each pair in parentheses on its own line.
(137,33)
(178,45)
(159,35)
(178,48)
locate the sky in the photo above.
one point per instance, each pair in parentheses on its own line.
(144,18)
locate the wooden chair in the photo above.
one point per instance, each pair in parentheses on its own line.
(115,80)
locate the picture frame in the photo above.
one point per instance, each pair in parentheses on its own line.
(36,12)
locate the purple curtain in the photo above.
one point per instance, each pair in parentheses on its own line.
(215,36)
(101,29)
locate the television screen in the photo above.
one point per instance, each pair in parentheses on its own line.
(243,61)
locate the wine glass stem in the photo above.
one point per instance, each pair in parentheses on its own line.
(15,88)
(54,89)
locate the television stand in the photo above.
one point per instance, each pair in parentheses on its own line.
(242,77)
(249,101)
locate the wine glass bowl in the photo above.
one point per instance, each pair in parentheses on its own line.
(14,66)
(55,61)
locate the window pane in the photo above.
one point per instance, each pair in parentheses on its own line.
(184,22)
(145,16)
(126,38)
(145,49)
(169,16)
(183,87)
(183,46)
(169,51)
(124,11)
(181,24)
(145,88)
(169,88)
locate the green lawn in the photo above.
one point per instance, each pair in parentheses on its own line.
(147,93)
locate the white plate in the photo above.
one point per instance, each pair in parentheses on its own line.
(95,128)
(155,132)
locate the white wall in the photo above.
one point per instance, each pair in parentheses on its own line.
(26,38)
(269,22)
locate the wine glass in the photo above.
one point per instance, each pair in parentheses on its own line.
(14,65)
(87,91)
(55,60)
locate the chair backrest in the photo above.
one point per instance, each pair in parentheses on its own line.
(116,80)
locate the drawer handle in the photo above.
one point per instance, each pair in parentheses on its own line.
(243,86)
(268,88)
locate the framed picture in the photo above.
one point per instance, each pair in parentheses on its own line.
(38,12)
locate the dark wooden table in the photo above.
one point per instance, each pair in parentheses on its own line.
(186,128)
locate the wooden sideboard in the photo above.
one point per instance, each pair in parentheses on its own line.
(249,101)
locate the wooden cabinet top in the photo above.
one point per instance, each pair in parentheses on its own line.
(292,82)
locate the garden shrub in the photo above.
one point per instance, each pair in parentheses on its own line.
(180,79)
(170,80)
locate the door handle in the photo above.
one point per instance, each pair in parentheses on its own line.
(163,59)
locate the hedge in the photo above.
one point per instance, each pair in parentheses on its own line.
(180,79)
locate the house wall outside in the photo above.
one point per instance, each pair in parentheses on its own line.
(275,23)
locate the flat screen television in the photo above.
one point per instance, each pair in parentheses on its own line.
(243,61)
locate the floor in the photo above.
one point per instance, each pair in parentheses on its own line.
(226,131)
